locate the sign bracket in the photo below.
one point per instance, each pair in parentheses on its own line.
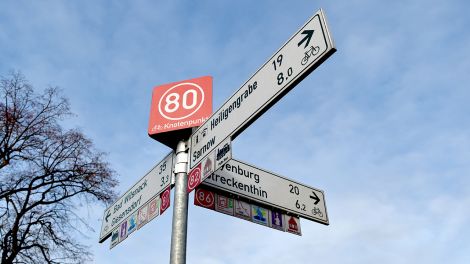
(181,163)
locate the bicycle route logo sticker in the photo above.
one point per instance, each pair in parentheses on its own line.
(293,225)
(205,198)
(243,210)
(194,178)
(165,198)
(142,216)
(223,153)
(277,220)
(132,223)
(224,204)
(208,167)
(123,232)
(259,215)
(114,238)
(154,208)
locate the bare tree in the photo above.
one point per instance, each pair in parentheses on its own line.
(45,172)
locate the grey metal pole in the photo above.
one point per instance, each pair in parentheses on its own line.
(180,209)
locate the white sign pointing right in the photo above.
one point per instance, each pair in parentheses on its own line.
(270,189)
(300,55)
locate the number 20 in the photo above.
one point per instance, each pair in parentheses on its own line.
(294,189)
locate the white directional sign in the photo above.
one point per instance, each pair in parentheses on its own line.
(300,55)
(270,189)
(211,163)
(157,180)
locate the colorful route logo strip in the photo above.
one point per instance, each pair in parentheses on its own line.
(220,201)
(155,207)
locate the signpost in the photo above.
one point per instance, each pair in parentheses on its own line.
(270,189)
(178,107)
(156,181)
(300,55)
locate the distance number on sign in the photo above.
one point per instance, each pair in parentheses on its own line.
(164,179)
(281,77)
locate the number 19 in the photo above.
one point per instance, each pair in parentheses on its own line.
(278,60)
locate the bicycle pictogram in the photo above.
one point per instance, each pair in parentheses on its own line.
(310,52)
(317,211)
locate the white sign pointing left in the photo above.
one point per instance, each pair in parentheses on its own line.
(152,184)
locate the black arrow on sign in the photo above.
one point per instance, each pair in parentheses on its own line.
(308,37)
(315,198)
(107,216)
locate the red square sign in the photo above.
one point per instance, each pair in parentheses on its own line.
(178,107)
(194,178)
(204,198)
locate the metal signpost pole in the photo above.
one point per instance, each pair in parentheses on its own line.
(180,210)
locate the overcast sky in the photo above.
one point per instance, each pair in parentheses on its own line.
(383,126)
